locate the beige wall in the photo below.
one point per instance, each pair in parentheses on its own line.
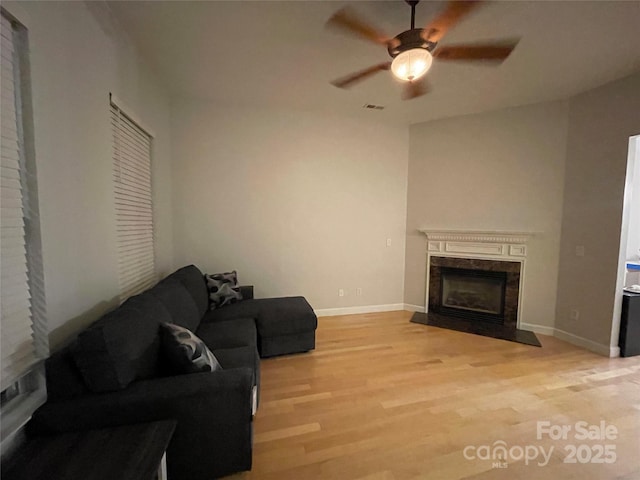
(75,62)
(600,124)
(501,170)
(299,204)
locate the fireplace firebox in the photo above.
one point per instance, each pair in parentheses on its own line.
(483,291)
(474,294)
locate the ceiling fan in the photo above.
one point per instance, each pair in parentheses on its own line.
(413,50)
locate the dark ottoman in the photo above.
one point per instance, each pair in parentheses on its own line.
(285,325)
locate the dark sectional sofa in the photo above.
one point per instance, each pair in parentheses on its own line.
(114,373)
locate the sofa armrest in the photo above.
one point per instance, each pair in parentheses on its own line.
(246,291)
(213,411)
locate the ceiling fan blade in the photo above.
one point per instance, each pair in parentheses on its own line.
(350,80)
(415,89)
(449,18)
(347,20)
(493,52)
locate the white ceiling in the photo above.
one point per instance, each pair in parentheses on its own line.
(273,54)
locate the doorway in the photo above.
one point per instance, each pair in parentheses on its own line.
(629,234)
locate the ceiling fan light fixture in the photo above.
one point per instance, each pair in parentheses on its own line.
(411,64)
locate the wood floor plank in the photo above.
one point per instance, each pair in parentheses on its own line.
(286,432)
(384,399)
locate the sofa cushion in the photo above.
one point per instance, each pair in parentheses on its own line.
(237,357)
(243,309)
(232,333)
(285,316)
(193,280)
(223,289)
(185,351)
(120,347)
(286,344)
(176,299)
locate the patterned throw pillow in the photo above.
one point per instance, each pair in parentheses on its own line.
(185,352)
(223,289)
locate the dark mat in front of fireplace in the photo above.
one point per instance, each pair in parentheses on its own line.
(485,329)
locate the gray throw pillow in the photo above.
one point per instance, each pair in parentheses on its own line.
(185,352)
(223,289)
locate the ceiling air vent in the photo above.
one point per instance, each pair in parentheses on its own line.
(371,106)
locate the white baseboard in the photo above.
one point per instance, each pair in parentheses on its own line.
(577,340)
(541,329)
(331,312)
(414,308)
(595,347)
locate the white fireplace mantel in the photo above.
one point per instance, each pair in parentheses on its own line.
(489,236)
(483,243)
(506,246)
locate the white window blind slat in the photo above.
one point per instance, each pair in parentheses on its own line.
(14,307)
(128,147)
(127,183)
(17,329)
(132,280)
(11,173)
(8,271)
(125,248)
(135,237)
(10,202)
(131,144)
(128,192)
(130,129)
(141,210)
(137,281)
(133,204)
(132,171)
(10,154)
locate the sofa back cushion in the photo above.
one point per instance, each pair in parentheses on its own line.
(120,347)
(63,378)
(192,279)
(149,306)
(176,299)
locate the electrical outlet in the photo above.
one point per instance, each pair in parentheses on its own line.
(580,251)
(358,291)
(388,242)
(341,292)
(574,315)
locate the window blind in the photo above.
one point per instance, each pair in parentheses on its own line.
(23,321)
(133,200)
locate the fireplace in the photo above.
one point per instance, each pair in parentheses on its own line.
(476,283)
(478,290)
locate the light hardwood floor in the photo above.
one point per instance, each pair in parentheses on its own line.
(385,399)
